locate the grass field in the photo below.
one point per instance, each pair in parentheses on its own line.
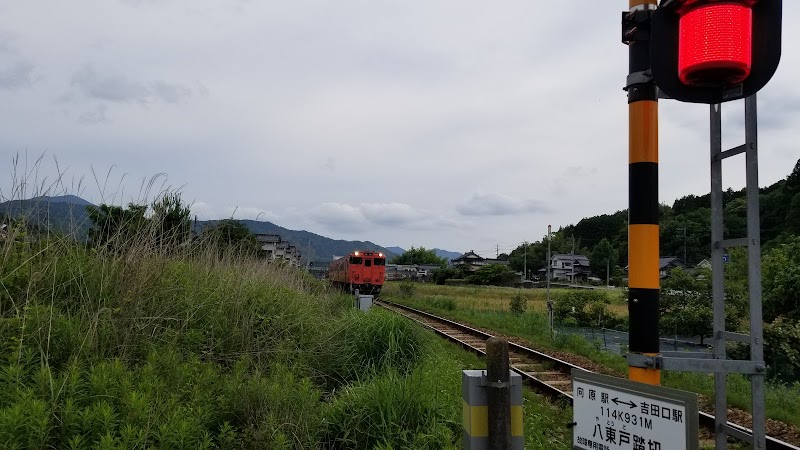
(494,298)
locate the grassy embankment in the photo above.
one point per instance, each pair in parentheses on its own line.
(140,347)
(488,307)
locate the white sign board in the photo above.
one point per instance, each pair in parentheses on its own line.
(617,414)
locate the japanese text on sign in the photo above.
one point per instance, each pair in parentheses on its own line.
(608,417)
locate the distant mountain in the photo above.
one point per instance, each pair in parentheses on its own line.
(312,246)
(446,254)
(63,214)
(396,250)
(71,199)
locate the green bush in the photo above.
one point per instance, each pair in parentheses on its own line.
(493,274)
(407,288)
(519,304)
(442,275)
(445,303)
(584,308)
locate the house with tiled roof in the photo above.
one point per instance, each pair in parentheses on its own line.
(568,267)
(474,261)
(666,264)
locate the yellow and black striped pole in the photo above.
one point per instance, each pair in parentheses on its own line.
(643,246)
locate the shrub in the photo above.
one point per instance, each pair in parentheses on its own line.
(442,275)
(494,274)
(407,288)
(585,308)
(519,304)
(445,303)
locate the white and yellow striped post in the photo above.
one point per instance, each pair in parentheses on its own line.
(474,391)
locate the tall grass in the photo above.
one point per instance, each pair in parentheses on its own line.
(404,410)
(358,345)
(136,345)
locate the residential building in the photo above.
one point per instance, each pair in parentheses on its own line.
(269,243)
(401,272)
(667,263)
(568,267)
(473,261)
(276,249)
(425,270)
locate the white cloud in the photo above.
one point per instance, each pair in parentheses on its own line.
(390,213)
(339,217)
(347,218)
(119,89)
(494,204)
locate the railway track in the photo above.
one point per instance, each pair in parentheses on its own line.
(543,373)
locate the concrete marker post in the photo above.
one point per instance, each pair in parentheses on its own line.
(498,393)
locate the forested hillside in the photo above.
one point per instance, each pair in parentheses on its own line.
(685,227)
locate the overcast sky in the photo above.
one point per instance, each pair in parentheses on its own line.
(458,124)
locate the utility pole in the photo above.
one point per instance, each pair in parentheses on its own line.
(572,277)
(497,250)
(525,265)
(607,272)
(683,229)
(549,302)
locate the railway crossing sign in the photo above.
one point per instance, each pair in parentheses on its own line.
(612,413)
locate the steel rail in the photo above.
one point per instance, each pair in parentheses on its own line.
(536,383)
(706,420)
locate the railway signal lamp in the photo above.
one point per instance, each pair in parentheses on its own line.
(712,51)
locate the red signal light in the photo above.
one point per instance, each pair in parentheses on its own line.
(715,43)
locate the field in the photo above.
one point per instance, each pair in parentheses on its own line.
(494,298)
(489,308)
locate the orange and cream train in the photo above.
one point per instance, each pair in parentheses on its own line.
(362,270)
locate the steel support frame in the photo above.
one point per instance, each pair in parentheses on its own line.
(753,244)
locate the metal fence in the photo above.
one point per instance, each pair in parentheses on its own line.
(617,341)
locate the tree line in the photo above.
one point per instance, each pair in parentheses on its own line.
(684,229)
(164,224)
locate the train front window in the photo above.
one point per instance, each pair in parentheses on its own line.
(355,260)
(380,262)
(367,263)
